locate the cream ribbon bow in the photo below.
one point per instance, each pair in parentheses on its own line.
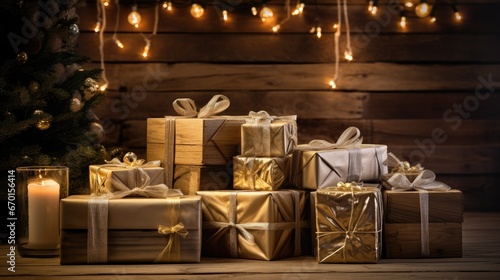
(350,138)
(187,108)
(399,166)
(261,117)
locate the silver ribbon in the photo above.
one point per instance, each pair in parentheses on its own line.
(234,228)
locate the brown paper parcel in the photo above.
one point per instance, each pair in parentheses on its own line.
(261,173)
(325,168)
(133,235)
(192,178)
(107,176)
(348,225)
(275,139)
(257,225)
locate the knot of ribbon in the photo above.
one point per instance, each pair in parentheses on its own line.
(186,107)
(260,117)
(399,166)
(350,138)
(341,186)
(177,229)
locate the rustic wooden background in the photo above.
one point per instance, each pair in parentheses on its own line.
(430,91)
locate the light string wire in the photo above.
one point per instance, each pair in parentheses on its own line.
(147,39)
(115,38)
(336,40)
(101,45)
(348,32)
(287,7)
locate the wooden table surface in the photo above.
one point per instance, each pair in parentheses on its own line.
(481,260)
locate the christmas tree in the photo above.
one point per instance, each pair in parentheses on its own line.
(47,99)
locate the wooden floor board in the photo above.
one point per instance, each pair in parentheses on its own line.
(481,260)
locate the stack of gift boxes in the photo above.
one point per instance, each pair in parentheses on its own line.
(241,187)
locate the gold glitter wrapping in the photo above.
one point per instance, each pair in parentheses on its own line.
(227,215)
(348,225)
(275,139)
(261,173)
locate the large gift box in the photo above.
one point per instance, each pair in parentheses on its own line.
(130,230)
(116,175)
(192,178)
(261,173)
(406,235)
(423,217)
(321,164)
(348,224)
(268,136)
(261,225)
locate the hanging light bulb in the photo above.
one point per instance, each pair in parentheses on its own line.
(298,9)
(97,27)
(348,55)
(118,43)
(197,10)
(458,16)
(333,84)
(402,22)
(276,28)
(423,9)
(335,26)
(145,53)
(105,3)
(254,11)
(134,17)
(374,10)
(167,5)
(409,4)
(433,17)
(318,32)
(265,13)
(224,15)
(103,87)
(370,6)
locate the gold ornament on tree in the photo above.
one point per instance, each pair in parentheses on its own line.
(34,86)
(97,130)
(75,105)
(45,122)
(22,58)
(89,88)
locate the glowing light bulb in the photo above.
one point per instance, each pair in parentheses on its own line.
(224,15)
(333,84)
(298,9)
(409,4)
(266,13)
(118,43)
(402,22)
(370,6)
(276,28)
(97,27)
(103,87)
(134,17)
(312,30)
(433,19)
(348,55)
(335,26)
(458,16)
(423,9)
(167,5)
(145,53)
(105,3)
(318,32)
(374,10)
(197,10)
(254,11)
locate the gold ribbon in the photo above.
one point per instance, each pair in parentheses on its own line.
(97,217)
(187,108)
(234,228)
(423,183)
(172,251)
(351,228)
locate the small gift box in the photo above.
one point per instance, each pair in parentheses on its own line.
(321,164)
(423,217)
(348,223)
(131,173)
(131,230)
(268,136)
(192,178)
(261,173)
(261,225)
(195,138)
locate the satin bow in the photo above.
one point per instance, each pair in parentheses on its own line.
(424,181)
(350,138)
(399,166)
(187,108)
(261,117)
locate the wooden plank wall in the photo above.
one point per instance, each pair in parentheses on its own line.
(429,91)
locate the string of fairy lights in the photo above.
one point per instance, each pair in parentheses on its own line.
(421,8)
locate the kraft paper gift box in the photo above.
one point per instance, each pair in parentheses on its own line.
(423,217)
(139,230)
(192,178)
(268,136)
(321,164)
(348,224)
(261,173)
(260,225)
(117,175)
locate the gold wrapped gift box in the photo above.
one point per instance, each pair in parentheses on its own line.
(314,169)
(348,225)
(261,225)
(261,173)
(403,227)
(133,230)
(107,176)
(192,178)
(275,139)
(208,141)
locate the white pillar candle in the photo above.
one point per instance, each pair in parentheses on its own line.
(43,214)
